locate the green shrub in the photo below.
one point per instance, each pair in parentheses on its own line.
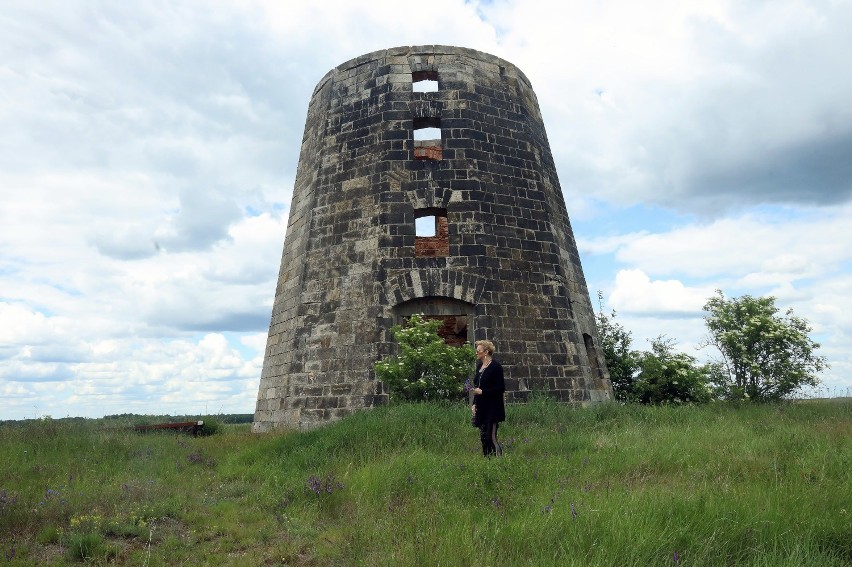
(621,360)
(426,368)
(211,426)
(666,376)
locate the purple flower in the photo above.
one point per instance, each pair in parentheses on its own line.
(467,386)
(318,486)
(314,485)
(676,557)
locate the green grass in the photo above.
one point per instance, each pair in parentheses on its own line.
(406,485)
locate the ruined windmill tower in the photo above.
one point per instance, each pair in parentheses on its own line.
(501,263)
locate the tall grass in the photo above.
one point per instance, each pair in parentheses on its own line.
(407,485)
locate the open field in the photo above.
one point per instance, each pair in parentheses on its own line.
(406,485)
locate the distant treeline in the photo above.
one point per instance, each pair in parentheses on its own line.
(137,419)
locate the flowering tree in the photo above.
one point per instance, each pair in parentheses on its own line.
(426,367)
(765,356)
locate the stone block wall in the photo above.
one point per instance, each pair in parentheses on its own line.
(504,257)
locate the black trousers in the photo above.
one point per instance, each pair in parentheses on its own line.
(488,438)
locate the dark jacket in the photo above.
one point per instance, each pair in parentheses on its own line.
(489,404)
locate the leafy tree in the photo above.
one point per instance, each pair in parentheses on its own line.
(620,360)
(766,356)
(426,368)
(666,376)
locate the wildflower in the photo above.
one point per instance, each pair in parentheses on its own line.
(318,486)
(676,557)
(5,500)
(314,485)
(573,512)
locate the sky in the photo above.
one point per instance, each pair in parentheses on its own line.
(148,152)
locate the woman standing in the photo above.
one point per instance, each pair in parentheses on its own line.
(488,397)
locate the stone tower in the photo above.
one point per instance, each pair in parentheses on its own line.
(425,185)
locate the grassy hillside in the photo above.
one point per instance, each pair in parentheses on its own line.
(406,485)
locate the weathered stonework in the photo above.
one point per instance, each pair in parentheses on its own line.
(503,266)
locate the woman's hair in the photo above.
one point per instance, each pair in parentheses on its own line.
(487,345)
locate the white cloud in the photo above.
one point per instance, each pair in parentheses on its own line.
(22,325)
(765,249)
(202,376)
(256,342)
(634,292)
(354,29)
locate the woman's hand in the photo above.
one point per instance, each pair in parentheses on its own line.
(477,391)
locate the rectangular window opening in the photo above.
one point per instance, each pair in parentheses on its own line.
(432,233)
(424,81)
(427,138)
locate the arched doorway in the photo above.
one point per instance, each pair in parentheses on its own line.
(456,316)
